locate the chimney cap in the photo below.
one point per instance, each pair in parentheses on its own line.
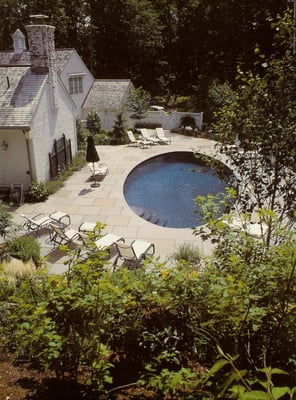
(39,19)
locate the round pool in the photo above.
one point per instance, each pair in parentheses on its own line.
(162,189)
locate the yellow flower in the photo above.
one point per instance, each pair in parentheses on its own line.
(164,273)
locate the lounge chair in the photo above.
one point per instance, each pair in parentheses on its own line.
(255,229)
(58,236)
(134,253)
(161,136)
(152,139)
(107,240)
(138,142)
(60,218)
(36,223)
(98,169)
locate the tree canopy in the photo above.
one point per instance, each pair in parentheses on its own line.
(256,130)
(166,46)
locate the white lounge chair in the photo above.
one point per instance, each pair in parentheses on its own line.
(58,236)
(138,142)
(161,136)
(105,242)
(36,223)
(108,240)
(98,169)
(255,229)
(152,139)
(133,253)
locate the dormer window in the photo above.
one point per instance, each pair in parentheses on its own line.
(76,83)
(19,42)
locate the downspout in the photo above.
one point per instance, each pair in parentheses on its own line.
(27,134)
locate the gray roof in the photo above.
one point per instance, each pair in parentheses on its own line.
(107,94)
(20,91)
(9,58)
(62,57)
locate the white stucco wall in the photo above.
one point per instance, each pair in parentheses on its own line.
(47,125)
(170,120)
(14,164)
(76,66)
(107,118)
(166,120)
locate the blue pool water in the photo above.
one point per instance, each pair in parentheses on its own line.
(162,189)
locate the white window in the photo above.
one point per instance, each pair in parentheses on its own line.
(76,84)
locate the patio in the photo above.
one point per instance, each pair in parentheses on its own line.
(106,203)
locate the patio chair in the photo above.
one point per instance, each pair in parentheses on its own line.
(36,223)
(90,246)
(146,136)
(134,253)
(60,219)
(107,240)
(98,169)
(137,142)
(255,229)
(161,136)
(58,236)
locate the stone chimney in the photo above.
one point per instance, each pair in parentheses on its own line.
(19,42)
(41,43)
(42,49)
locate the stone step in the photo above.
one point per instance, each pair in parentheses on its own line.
(149,215)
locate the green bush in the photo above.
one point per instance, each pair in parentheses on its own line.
(102,138)
(24,248)
(107,329)
(82,134)
(36,192)
(147,125)
(187,120)
(5,219)
(93,122)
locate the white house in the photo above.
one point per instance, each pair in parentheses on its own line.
(75,75)
(35,107)
(107,97)
(42,91)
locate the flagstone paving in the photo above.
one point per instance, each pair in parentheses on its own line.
(106,203)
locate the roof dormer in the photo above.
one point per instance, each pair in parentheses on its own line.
(19,42)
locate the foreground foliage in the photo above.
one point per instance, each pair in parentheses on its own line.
(159,328)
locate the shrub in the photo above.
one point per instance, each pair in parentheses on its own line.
(24,248)
(82,133)
(5,219)
(147,125)
(187,253)
(36,192)
(187,120)
(117,135)
(93,122)
(58,182)
(101,138)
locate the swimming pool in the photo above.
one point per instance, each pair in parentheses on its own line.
(162,189)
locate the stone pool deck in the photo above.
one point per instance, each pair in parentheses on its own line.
(106,202)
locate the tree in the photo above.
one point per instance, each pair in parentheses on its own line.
(93,122)
(118,132)
(138,103)
(257,129)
